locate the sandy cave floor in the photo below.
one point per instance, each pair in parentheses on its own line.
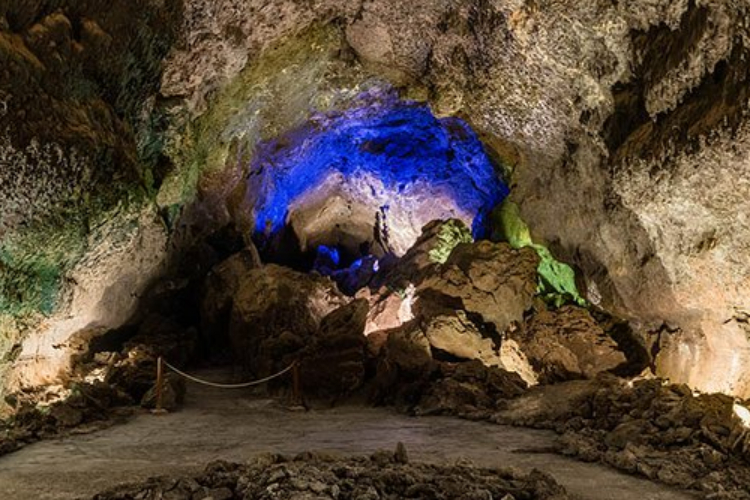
(235,425)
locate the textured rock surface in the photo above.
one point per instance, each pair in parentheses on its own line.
(222,283)
(276,312)
(311,475)
(491,280)
(567,343)
(614,117)
(646,427)
(333,364)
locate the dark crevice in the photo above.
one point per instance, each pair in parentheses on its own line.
(488,330)
(718,102)
(444,356)
(662,49)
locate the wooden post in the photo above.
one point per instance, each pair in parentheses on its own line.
(296,384)
(159,410)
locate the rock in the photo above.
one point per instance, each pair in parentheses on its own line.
(333,364)
(310,476)
(401,456)
(272,302)
(388,309)
(221,494)
(633,432)
(465,388)
(567,343)
(403,366)
(490,280)
(219,289)
(434,245)
(65,415)
(646,427)
(134,370)
(458,336)
(513,359)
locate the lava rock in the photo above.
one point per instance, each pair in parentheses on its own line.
(459,337)
(310,475)
(567,343)
(220,287)
(273,305)
(466,389)
(491,280)
(334,363)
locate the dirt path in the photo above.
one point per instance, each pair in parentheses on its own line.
(234,426)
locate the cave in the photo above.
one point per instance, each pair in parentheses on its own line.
(434,227)
(364,182)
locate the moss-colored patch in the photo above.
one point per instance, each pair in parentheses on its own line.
(276,92)
(557,284)
(451,234)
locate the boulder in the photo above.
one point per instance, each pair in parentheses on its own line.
(491,280)
(456,335)
(388,309)
(220,287)
(276,312)
(567,343)
(468,388)
(404,365)
(433,246)
(334,363)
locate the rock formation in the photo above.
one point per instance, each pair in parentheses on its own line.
(155,201)
(611,119)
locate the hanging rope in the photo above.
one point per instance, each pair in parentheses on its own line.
(229,386)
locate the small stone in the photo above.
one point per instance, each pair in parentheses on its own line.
(400,456)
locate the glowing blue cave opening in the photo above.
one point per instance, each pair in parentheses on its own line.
(393,155)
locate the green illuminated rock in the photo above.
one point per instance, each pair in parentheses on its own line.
(557,280)
(450,235)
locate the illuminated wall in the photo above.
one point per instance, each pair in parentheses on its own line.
(388,165)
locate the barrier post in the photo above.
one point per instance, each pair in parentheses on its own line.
(296,384)
(159,410)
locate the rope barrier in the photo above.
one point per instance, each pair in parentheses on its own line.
(229,386)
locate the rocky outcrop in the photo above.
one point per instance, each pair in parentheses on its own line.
(58,410)
(491,280)
(567,343)
(647,427)
(470,390)
(333,362)
(276,313)
(409,375)
(457,336)
(217,298)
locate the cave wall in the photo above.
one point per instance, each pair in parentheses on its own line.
(624,124)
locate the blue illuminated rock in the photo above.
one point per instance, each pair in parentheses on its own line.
(375,173)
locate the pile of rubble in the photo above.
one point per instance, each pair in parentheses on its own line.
(55,410)
(315,476)
(104,386)
(647,427)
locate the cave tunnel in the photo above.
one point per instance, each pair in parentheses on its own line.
(363,182)
(298,226)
